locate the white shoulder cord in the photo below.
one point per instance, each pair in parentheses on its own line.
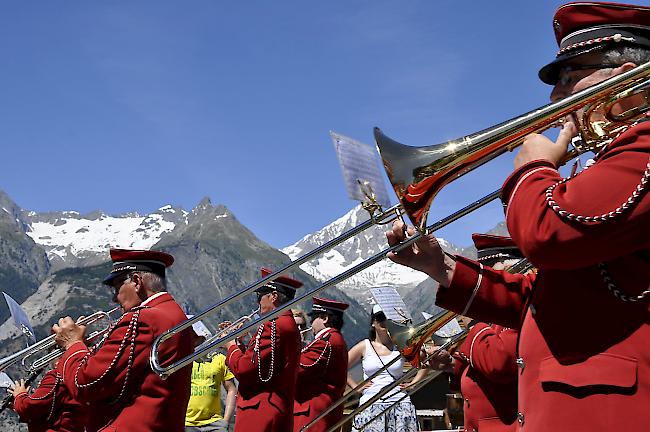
(57,380)
(596,219)
(129,337)
(328,348)
(256,351)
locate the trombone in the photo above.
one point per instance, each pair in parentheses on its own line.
(418,174)
(46,344)
(409,340)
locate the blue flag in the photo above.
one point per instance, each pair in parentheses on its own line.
(20,318)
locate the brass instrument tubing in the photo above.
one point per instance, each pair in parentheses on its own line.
(165,371)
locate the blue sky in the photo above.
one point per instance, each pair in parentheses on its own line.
(122,105)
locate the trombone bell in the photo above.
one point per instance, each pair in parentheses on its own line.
(417,174)
(409,339)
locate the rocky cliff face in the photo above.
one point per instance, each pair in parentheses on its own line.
(23,263)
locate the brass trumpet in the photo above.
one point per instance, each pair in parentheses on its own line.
(226,331)
(46,344)
(417,175)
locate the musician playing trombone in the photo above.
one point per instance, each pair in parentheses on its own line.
(50,407)
(115,379)
(266,369)
(484,366)
(323,369)
(584,345)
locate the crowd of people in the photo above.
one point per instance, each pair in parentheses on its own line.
(562,348)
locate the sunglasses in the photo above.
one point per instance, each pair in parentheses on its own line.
(261,294)
(565,79)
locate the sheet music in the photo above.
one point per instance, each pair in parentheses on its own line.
(391,303)
(358,161)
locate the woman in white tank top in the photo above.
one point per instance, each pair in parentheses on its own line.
(374,353)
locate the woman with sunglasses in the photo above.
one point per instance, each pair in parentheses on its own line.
(374,353)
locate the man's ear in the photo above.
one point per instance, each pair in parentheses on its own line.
(137,280)
(326,319)
(624,68)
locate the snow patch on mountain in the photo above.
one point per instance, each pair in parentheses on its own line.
(70,234)
(352,252)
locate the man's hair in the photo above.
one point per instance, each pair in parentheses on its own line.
(620,55)
(333,320)
(154,282)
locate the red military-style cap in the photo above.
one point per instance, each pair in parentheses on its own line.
(492,248)
(283,283)
(321,305)
(585,27)
(128,260)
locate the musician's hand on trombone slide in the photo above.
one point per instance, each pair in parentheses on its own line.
(424,255)
(537,147)
(68,332)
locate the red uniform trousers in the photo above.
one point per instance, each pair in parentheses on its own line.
(50,408)
(322,377)
(133,398)
(266,388)
(585,353)
(485,364)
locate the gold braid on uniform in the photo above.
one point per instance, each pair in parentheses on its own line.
(129,338)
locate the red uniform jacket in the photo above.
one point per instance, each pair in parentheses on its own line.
(585,354)
(138,400)
(266,388)
(322,376)
(50,408)
(486,365)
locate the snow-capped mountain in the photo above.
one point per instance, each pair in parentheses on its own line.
(354,251)
(73,239)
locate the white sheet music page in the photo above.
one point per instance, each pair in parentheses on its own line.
(391,303)
(358,162)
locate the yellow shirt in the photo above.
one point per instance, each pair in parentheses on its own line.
(205,399)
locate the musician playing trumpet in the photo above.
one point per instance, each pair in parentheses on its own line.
(115,379)
(50,407)
(323,369)
(266,369)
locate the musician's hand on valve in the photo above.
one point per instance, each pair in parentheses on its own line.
(537,146)
(68,332)
(424,255)
(19,387)
(438,359)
